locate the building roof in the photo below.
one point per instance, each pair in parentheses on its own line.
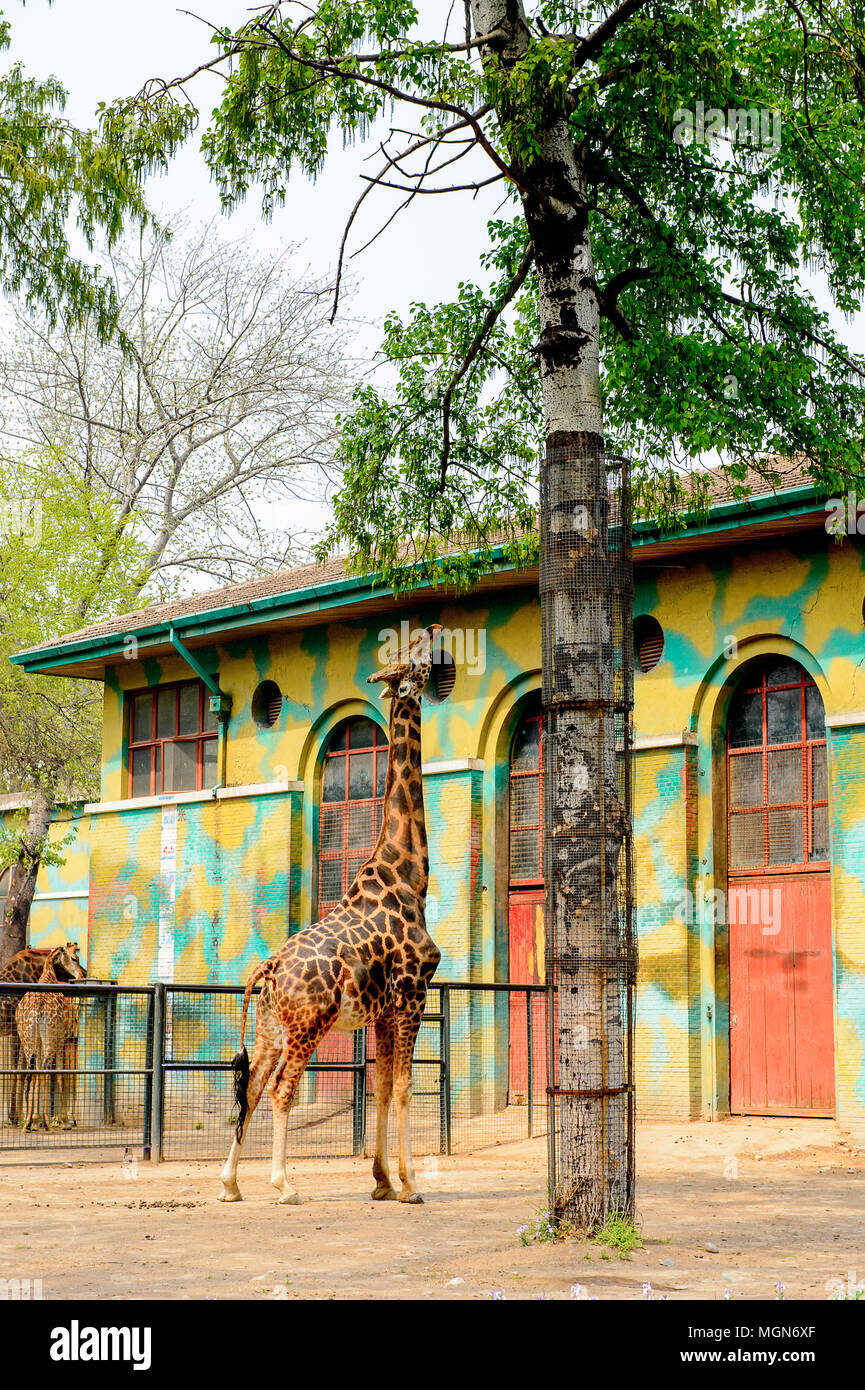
(308,593)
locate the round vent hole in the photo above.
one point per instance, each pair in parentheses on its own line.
(266,704)
(648,642)
(442,678)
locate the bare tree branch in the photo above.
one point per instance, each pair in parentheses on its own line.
(224,401)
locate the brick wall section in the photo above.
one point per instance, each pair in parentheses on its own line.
(664,842)
(846,761)
(231,906)
(455,918)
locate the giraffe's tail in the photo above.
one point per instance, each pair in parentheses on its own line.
(240,1063)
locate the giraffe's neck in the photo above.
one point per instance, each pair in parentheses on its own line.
(48,977)
(402,844)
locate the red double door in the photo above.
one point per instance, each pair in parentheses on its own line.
(782,1052)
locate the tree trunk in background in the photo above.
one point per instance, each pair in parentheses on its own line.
(22,884)
(584,634)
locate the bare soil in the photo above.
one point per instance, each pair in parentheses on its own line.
(781,1200)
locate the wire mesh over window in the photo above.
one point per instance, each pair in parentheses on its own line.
(526,802)
(352,796)
(777,784)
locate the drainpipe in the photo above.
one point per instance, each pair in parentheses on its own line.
(220,704)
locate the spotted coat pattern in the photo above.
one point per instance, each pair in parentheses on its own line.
(47,1026)
(25,968)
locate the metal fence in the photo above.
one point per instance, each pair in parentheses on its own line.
(88,1083)
(150,1071)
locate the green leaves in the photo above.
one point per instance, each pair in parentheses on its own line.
(63,551)
(49,172)
(404,500)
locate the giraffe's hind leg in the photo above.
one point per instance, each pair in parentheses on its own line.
(282,1093)
(264,1059)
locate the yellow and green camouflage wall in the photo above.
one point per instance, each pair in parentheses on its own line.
(200,886)
(60,904)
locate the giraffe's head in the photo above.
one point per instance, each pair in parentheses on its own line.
(65,963)
(408,674)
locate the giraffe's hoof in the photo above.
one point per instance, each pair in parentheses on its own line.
(384,1194)
(230,1194)
(288,1199)
(414,1197)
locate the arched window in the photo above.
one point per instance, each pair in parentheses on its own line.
(353,780)
(526,801)
(777,786)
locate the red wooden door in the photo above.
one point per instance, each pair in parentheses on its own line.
(782,1054)
(782,1044)
(526,967)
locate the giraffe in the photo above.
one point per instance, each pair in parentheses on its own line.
(48,1036)
(25,968)
(369,961)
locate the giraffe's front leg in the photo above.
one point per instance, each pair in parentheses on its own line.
(406,1030)
(383,1087)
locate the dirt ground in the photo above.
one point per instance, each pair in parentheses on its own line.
(780,1200)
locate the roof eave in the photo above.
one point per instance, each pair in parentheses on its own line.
(358,589)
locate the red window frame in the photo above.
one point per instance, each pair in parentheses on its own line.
(157,744)
(518,775)
(343,821)
(807,803)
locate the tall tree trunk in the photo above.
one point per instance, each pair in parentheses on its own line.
(22,884)
(583,622)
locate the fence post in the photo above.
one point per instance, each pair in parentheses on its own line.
(530,1042)
(445,1084)
(156,1127)
(551,1098)
(147,1127)
(109,1053)
(359,1092)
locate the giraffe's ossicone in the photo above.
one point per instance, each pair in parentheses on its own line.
(368,962)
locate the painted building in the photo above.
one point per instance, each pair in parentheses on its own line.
(59,912)
(214,837)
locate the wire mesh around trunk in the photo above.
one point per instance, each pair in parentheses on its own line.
(586,587)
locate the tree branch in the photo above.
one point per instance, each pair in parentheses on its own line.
(490,319)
